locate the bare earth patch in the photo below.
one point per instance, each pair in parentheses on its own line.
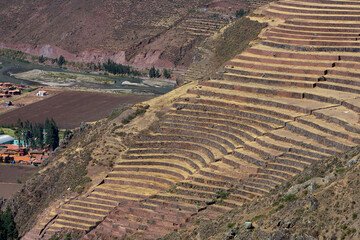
(69,109)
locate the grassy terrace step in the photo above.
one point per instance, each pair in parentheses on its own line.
(303,106)
(250,157)
(173,205)
(164,210)
(315,42)
(84,203)
(198,202)
(158,159)
(191,157)
(96,200)
(71,224)
(57,227)
(207,155)
(284,167)
(263,186)
(231,139)
(234,135)
(303,4)
(299,36)
(147,224)
(158,169)
(330,128)
(264,182)
(275,59)
(217,175)
(95,210)
(183,194)
(179,217)
(159,162)
(138,183)
(278,66)
(342,115)
(265,80)
(210,148)
(306,9)
(217,121)
(100,196)
(290,147)
(255,189)
(298,157)
(276,115)
(273,52)
(243,71)
(268,177)
(166,178)
(284,135)
(298,47)
(216,136)
(84,214)
(201,115)
(321,137)
(127,191)
(280,13)
(306,33)
(317,94)
(291,162)
(319,29)
(229,170)
(199,178)
(351,76)
(240,164)
(265,152)
(339,87)
(234,111)
(277,173)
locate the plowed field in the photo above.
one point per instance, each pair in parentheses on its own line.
(69,109)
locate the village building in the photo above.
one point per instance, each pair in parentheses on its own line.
(6,139)
(41,93)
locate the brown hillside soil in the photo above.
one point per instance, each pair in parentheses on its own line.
(69,109)
(141,33)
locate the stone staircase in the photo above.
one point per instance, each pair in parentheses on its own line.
(280,106)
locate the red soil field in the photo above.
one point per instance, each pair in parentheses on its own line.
(8,189)
(11,173)
(69,109)
(9,176)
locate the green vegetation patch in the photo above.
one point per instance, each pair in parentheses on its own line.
(36,75)
(236,38)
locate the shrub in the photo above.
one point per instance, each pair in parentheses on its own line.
(340,170)
(290,198)
(231,225)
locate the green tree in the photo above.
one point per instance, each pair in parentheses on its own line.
(52,134)
(8,229)
(154,73)
(166,73)
(61,61)
(41,59)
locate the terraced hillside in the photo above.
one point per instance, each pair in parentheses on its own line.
(283,104)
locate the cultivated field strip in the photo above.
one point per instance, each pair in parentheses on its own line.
(279,107)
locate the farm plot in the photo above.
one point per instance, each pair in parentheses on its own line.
(69,109)
(12,177)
